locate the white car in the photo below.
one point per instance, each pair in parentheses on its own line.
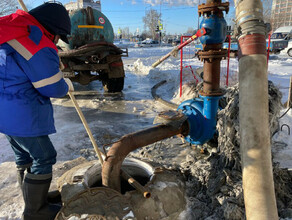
(147,43)
(288,49)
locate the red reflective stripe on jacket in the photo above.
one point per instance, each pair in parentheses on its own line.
(33,48)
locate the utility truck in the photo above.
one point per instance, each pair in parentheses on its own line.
(91,54)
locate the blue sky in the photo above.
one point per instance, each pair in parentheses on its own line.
(174,19)
(177,15)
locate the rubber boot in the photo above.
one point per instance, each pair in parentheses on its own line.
(20,176)
(35,191)
(20,173)
(53,196)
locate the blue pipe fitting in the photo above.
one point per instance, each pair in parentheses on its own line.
(202,118)
(216,29)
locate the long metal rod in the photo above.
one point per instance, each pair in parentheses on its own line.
(124,174)
(22,5)
(136,184)
(86,127)
(177,48)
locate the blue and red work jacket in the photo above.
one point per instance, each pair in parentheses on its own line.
(29,76)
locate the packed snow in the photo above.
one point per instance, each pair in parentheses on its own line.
(110,116)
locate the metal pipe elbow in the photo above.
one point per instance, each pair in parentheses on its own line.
(202,118)
(119,150)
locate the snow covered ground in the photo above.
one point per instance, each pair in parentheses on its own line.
(111,116)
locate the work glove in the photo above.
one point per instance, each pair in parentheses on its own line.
(70,84)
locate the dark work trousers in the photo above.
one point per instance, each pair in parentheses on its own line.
(37,151)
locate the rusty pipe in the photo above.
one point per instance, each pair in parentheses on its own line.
(146,194)
(119,150)
(213,21)
(211,76)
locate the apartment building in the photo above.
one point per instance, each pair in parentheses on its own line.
(281,13)
(83,4)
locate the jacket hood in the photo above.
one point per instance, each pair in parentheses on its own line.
(16,25)
(54,17)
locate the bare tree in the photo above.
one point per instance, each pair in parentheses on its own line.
(151,21)
(267,10)
(145,35)
(126,32)
(191,30)
(8,7)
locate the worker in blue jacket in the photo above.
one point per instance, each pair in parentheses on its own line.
(29,77)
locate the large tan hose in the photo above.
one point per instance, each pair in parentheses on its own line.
(257,176)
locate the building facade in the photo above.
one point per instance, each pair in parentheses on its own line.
(83,4)
(281,13)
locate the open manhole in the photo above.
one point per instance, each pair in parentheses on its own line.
(142,172)
(84,197)
(88,175)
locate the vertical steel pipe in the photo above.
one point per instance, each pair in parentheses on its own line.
(214,23)
(257,175)
(211,76)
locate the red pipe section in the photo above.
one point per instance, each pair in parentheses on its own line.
(181,68)
(252,44)
(268,52)
(228,59)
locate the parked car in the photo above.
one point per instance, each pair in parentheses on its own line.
(280,38)
(169,41)
(138,44)
(175,42)
(147,43)
(288,49)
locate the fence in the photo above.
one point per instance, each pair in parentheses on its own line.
(189,64)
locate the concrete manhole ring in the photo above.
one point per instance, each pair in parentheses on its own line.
(84,197)
(88,174)
(97,203)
